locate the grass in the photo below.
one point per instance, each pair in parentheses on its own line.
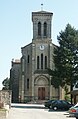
(2,109)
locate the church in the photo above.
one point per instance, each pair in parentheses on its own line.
(35,83)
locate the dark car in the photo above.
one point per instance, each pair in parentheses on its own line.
(60,105)
(48,103)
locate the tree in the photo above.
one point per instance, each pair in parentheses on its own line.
(6,84)
(66,58)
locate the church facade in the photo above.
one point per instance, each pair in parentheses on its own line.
(35,82)
(37,56)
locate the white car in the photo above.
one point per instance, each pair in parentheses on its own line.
(73,111)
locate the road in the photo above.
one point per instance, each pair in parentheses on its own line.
(29,111)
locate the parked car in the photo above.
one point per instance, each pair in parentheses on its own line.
(60,105)
(48,103)
(73,111)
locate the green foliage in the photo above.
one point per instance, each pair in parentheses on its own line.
(27,99)
(6,84)
(66,97)
(66,57)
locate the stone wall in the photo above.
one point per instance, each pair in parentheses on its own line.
(5,98)
(3,114)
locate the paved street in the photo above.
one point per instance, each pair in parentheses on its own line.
(29,111)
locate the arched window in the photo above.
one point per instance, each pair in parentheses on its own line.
(28,59)
(45,62)
(37,62)
(39,29)
(45,29)
(27,83)
(41,61)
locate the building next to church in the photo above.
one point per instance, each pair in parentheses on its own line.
(15,74)
(35,82)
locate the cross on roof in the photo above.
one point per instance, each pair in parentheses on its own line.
(42,7)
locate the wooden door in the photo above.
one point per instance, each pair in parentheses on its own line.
(41,93)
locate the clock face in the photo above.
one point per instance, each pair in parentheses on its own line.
(41,47)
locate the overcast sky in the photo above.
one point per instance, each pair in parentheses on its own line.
(16,26)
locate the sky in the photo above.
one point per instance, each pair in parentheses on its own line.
(16,28)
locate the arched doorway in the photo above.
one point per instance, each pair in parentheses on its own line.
(41,90)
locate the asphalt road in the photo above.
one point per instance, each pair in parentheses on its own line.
(33,111)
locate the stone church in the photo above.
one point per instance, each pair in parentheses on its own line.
(35,82)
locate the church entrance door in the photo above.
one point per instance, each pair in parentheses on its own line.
(41,93)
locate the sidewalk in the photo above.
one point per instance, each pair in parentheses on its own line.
(20,111)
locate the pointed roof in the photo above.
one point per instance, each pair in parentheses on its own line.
(42,12)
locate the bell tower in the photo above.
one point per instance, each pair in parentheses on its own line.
(42,22)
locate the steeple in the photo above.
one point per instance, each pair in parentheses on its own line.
(42,24)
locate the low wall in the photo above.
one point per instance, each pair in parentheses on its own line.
(3,113)
(5,103)
(5,97)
